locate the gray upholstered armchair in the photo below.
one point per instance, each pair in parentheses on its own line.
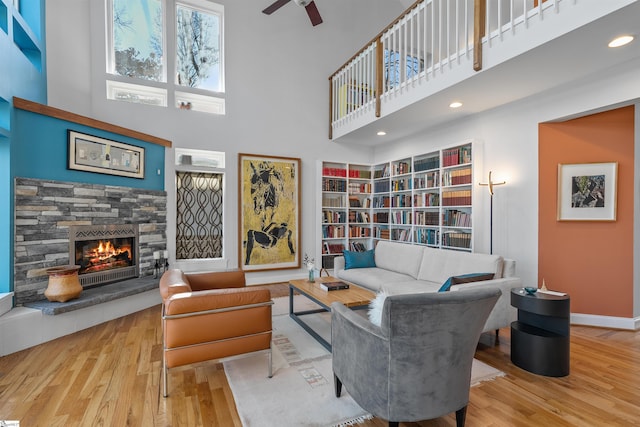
(417,364)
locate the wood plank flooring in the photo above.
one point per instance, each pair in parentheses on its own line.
(109,375)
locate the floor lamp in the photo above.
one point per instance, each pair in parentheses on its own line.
(490,184)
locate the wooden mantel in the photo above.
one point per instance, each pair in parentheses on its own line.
(57,113)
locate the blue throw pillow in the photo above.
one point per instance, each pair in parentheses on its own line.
(465,278)
(445,286)
(359,259)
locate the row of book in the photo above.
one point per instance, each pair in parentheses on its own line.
(381,233)
(456,156)
(429,180)
(401,217)
(356,231)
(400,168)
(381,186)
(456,198)
(426,218)
(359,187)
(401,235)
(330,184)
(457,240)
(426,200)
(332,231)
(401,201)
(381,172)
(426,236)
(401,184)
(357,247)
(359,217)
(456,218)
(332,248)
(333,201)
(426,164)
(456,177)
(381,202)
(381,217)
(334,216)
(351,173)
(328,171)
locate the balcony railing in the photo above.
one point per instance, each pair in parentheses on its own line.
(429,39)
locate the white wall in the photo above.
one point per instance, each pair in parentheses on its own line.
(510,143)
(277,70)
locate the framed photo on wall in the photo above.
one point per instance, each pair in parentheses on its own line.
(93,154)
(587,191)
(269,212)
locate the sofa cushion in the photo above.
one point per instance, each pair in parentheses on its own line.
(439,264)
(399,257)
(359,259)
(373,278)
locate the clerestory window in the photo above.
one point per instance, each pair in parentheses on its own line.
(166,52)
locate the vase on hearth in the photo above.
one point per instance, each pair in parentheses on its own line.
(64,283)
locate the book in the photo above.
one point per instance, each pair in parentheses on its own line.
(333,286)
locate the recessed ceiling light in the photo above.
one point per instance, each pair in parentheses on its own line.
(381,133)
(620,41)
(455,104)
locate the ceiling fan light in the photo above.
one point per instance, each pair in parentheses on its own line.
(302,2)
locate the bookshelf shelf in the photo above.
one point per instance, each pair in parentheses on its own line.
(426,199)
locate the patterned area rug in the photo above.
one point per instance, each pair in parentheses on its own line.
(301,392)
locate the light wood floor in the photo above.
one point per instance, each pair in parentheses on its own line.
(109,375)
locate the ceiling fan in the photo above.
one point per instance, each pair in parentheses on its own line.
(310,7)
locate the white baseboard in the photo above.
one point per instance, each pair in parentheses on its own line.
(6,302)
(628,323)
(24,327)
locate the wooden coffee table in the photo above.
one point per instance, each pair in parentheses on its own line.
(355,298)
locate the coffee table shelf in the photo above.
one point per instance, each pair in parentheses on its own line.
(355,298)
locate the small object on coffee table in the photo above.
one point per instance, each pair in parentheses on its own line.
(334,286)
(530,290)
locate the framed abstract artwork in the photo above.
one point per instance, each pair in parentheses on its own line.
(93,154)
(269,212)
(587,191)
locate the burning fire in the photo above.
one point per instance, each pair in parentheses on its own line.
(104,255)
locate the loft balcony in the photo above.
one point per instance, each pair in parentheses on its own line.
(486,53)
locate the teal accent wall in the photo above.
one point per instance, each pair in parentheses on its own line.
(23,75)
(41,151)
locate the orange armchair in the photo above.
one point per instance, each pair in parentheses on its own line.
(212,316)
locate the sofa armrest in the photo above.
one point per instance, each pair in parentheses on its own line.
(194,303)
(216,280)
(338,265)
(503,313)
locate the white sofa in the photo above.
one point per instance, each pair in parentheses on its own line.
(404,269)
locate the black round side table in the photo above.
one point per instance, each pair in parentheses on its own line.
(540,336)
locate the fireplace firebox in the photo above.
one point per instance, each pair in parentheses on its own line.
(104,253)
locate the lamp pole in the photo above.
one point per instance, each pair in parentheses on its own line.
(490,184)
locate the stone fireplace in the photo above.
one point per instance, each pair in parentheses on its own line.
(55,221)
(105,253)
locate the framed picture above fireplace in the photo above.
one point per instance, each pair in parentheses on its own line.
(93,154)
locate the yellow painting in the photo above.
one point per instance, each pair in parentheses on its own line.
(269,212)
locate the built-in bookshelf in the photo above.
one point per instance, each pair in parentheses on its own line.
(426,199)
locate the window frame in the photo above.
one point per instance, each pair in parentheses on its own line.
(195,166)
(167,91)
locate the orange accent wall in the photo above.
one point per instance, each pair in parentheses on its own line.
(592,261)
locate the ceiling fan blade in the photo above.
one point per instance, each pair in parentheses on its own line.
(313,13)
(275,6)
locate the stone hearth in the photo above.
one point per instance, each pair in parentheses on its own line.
(45,209)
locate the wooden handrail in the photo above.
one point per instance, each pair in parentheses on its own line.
(378,37)
(34,107)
